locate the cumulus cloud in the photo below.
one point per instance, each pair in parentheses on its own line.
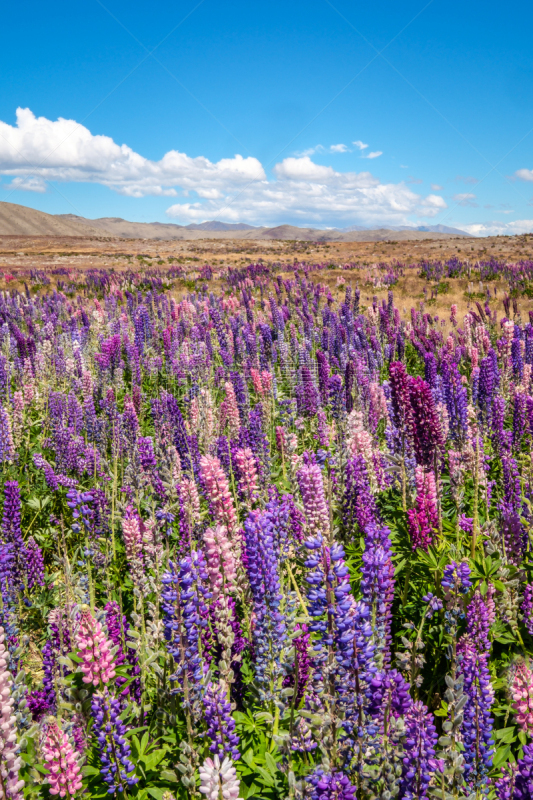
(374,154)
(338,148)
(309,193)
(360,145)
(235,189)
(498,228)
(524,174)
(465,199)
(436,188)
(67,151)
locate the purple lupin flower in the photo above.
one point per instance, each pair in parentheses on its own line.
(34,564)
(184,606)
(117,770)
(220,723)
(269,632)
(524,779)
(11,531)
(117,629)
(331,785)
(527,608)
(478,722)
(478,623)
(419,760)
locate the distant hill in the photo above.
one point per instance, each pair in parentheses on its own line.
(20,220)
(215,225)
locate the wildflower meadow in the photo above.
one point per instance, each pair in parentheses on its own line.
(259,540)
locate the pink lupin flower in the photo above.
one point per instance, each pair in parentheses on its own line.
(314,499)
(98,665)
(218,493)
(522,696)
(232,410)
(131,531)
(266,380)
(65,775)
(220,559)
(256,380)
(245,463)
(11,761)
(191,498)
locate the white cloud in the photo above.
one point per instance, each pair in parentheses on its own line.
(360,145)
(29,184)
(436,188)
(66,151)
(524,174)
(465,199)
(234,189)
(498,228)
(338,148)
(374,154)
(309,193)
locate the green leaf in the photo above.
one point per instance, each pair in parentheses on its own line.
(156,791)
(151,761)
(88,770)
(506,735)
(501,755)
(271,764)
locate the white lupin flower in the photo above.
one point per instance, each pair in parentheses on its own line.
(219,781)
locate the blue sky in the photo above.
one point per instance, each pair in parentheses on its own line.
(319,113)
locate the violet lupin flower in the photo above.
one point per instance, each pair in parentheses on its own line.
(220,723)
(185,612)
(11,532)
(478,623)
(333,785)
(34,564)
(477,724)
(419,759)
(117,629)
(117,770)
(527,608)
(263,573)
(524,778)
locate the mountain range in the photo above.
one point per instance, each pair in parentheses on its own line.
(16,220)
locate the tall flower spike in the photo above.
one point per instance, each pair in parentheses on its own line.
(10,761)
(419,760)
(94,649)
(118,771)
(220,723)
(217,490)
(60,759)
(220,560)
(314,500)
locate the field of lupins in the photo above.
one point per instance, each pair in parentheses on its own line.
(260,544)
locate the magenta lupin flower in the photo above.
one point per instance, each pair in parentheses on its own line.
(98,664)
(65,775)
